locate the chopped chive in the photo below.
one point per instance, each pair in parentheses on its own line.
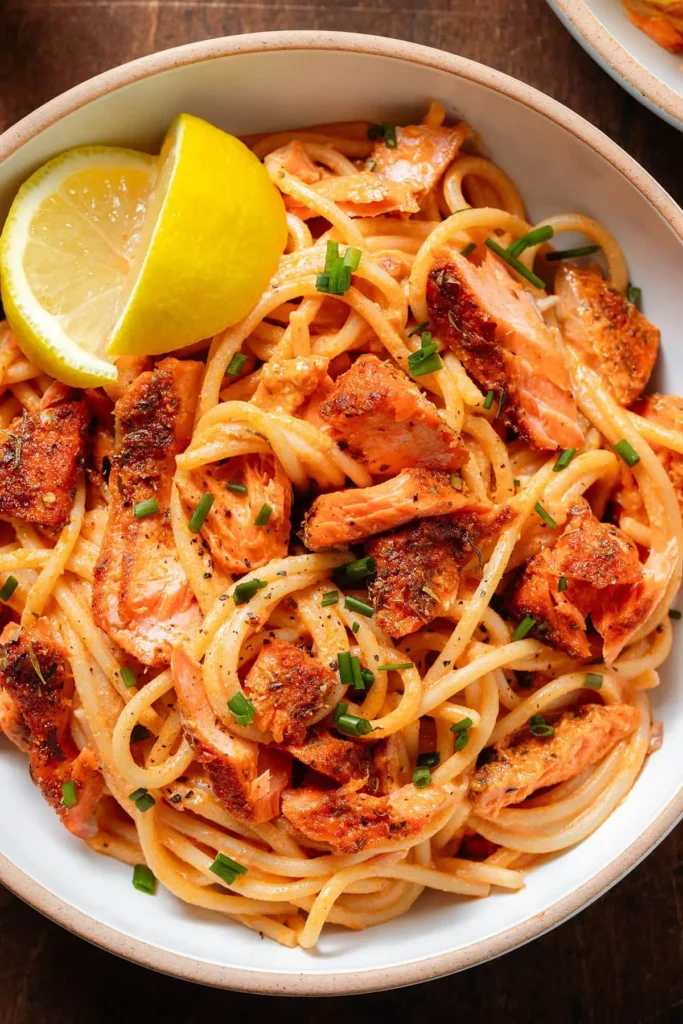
(513,262)
(142,509)
(368,677)
(331,255)
(540,727)
(356,675)
(143,800)
(128,676)
(201,512)
(241,709)
(354,605)
(429,759)
(418,368)
(352,257)
(352,572)
(419,329)
(456,481)
(488,401)
(593,680)
(69,793)
(353,725)
(517,483)
(535,237)
(396,667)
(675,614)
(545,515)
(562,584)
(144,879)
(344,664)
(355,627)
(462,723)
(462,733)
(244,592)
(422,777)
(524,627)
(226,868)
(139,733)
(564,459)
(633,294)
(626,452)
(237,488)
(340,710)
(8,588)
(468,250)
(426,341)
(264,514)
(235,365)
(570,254)
(331,597)
(501,402)
(322,283)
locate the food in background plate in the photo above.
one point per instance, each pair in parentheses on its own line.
(661,20)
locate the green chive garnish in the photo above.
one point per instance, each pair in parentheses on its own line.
(430,759)
(352,257)
(513,262)
(201,512)
(142,509)
(524,627)
(425,360)
(535,237)
(139,733)
(356,676)
(468,250)
(593,681)
(353,725)
(355,627)
(241,709)
(227,869)
(340,710)
(143,800)
(675,614)
(344,664)
(235,365)
(396,667)
(384,131)
(540,727)
(144,879)
(564,460)
(336,277)
(633,294)
(419,329)
(626,452)
(352,572)
(128,677)
(354,605)
(8,588)
(545,515)
(68,793)
(264,514)
(462,733)
(244,592)
(488,401)
(562,584)
(368,677)
(331,597)
(237,488)
(571,254)
(422,777)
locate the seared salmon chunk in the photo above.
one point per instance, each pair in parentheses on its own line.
(608,332)
(36,689)
(418,568)
(382,419)
(496,331)
(285,384)
(344,517)
(421,155)
(41,457)
(141,595)
(339,759)
(523,763)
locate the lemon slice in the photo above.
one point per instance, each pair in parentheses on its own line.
(66,253)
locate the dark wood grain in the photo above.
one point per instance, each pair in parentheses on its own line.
(621,960)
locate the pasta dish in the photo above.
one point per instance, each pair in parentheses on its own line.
(365,594)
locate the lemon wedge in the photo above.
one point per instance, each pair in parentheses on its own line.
(107,251)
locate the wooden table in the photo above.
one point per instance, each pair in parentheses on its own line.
(621,960)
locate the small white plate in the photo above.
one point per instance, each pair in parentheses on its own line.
(648,71)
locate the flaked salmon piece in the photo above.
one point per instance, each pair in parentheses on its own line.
(235,542)
(667,411)
(285,384)
(41,457)
(294,159)
(344,517)
(382,419)
(311,410)
(604,579)
(339,759)
(129,369)
(418,568)
(609,333)
(494,328)
(248,778)
(288,688)
(36,689)
(361,195)
(656,25)
(351,821)
(420,157)
(523,763)
(141,595)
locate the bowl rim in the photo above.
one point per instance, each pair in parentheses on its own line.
(373,979)
(644,84)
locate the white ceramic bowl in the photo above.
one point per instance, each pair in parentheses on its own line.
(273,81)
(648,71)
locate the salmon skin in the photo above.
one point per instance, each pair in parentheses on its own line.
(41,457)
(36,688)
(141,595)
(382,419)
(523,763)
(608,332)
(496,331)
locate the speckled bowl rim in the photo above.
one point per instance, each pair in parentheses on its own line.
(619,63)
(373,979)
